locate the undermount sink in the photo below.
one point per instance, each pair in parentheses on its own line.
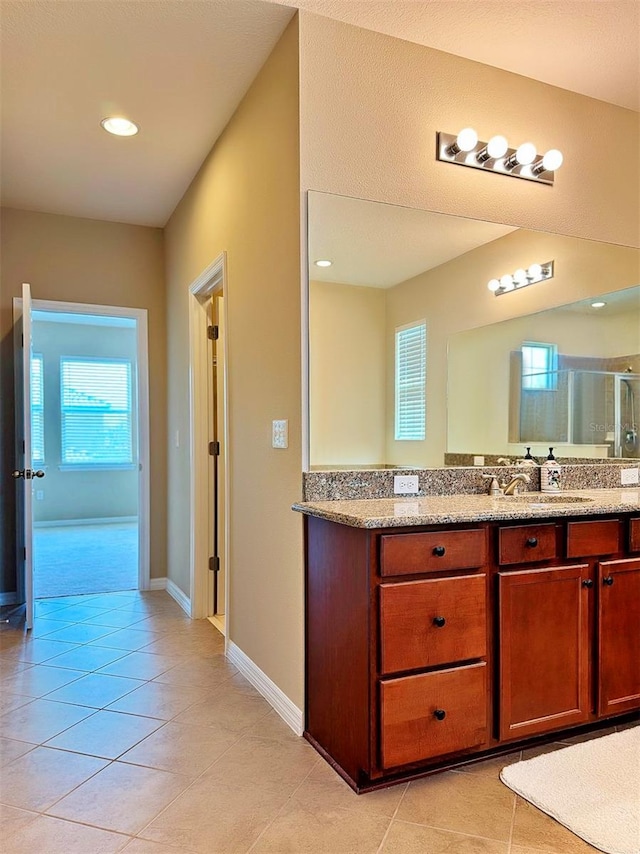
(542,498)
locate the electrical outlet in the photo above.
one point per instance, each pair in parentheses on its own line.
(405,484)
(629,476)
(280,433)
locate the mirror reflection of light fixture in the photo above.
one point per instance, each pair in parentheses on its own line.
(599,304)
(522,278)
(465,149)
(323,263)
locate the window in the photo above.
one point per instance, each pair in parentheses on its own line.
(411,374)
(37,409)
(95,399)
(539,366)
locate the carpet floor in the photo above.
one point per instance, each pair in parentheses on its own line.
(73,560)
(591,788)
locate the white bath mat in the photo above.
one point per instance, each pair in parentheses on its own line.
(592,788)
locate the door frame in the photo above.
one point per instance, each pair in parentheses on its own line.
(142,358)
(211,281)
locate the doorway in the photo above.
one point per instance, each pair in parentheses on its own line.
(209,551)
(89,437)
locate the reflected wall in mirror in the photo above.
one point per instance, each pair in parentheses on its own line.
(585,403)
(393,267)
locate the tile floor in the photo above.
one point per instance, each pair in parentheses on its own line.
(124,728)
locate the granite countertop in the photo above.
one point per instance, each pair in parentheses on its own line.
(446,509)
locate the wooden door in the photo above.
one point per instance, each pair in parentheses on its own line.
(619,636)
(544,649)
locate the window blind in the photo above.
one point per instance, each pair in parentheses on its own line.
(411,372)
(37,409)
(96,411)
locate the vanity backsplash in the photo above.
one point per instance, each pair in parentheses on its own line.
(378,483)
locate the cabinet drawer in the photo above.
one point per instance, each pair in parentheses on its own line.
(527,543)
(634,535)
(433,714)
(434,551)
(437,621)
(593,538)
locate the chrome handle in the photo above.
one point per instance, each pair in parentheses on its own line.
(27,474)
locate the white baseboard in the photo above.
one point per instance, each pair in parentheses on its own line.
(181,598)
(157,583)
(287,710)
(8,598)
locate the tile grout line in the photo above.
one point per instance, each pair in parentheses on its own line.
(392,819)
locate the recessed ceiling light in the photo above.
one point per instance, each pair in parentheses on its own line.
(323,263)
(119,126)
(598,304)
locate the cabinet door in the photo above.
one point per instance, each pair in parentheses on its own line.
(619,636)
(544,650)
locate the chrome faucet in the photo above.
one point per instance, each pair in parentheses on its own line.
(511,487)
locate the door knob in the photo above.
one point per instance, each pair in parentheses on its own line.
(27,474)
(439,714)
(439,622)
(608,580)
(439,551)
(587,583)
(17,474)
(38,473)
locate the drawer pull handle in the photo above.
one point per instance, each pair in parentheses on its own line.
(587,583)
(439,622)
(439,551)
(532,542)
(439,714)
(608,580)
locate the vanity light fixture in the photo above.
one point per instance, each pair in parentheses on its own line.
(465,149)
(119,126)
(522,278)
(323,263)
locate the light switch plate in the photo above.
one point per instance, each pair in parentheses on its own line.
(478,461)
(280,433)
(628,476)
(405,484)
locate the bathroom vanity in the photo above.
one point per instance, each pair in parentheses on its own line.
(446,628)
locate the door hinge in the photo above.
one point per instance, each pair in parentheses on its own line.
(24,553)
(212,332)
(214,563)
(214,449)
(24,447)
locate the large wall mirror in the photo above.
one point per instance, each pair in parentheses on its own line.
(405,301)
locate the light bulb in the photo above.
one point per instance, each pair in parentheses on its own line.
(552,160)
(493,285)
(520,276)
(497,147)
(598,304)
(526,154)
(323,263)
(506,282)
(534,271)
(467,139)
(119,126)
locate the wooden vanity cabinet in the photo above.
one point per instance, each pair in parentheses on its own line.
(618,636)
(428,645)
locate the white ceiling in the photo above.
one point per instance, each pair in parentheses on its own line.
(67,63)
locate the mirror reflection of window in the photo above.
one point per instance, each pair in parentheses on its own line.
(37,409)
(539,366)
(411,379)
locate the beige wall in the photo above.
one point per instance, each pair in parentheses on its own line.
(369,118)
(88,261)
(245,200)
(347,374)
(454,297)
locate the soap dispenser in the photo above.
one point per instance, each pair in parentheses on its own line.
(527,461)
(550,474)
